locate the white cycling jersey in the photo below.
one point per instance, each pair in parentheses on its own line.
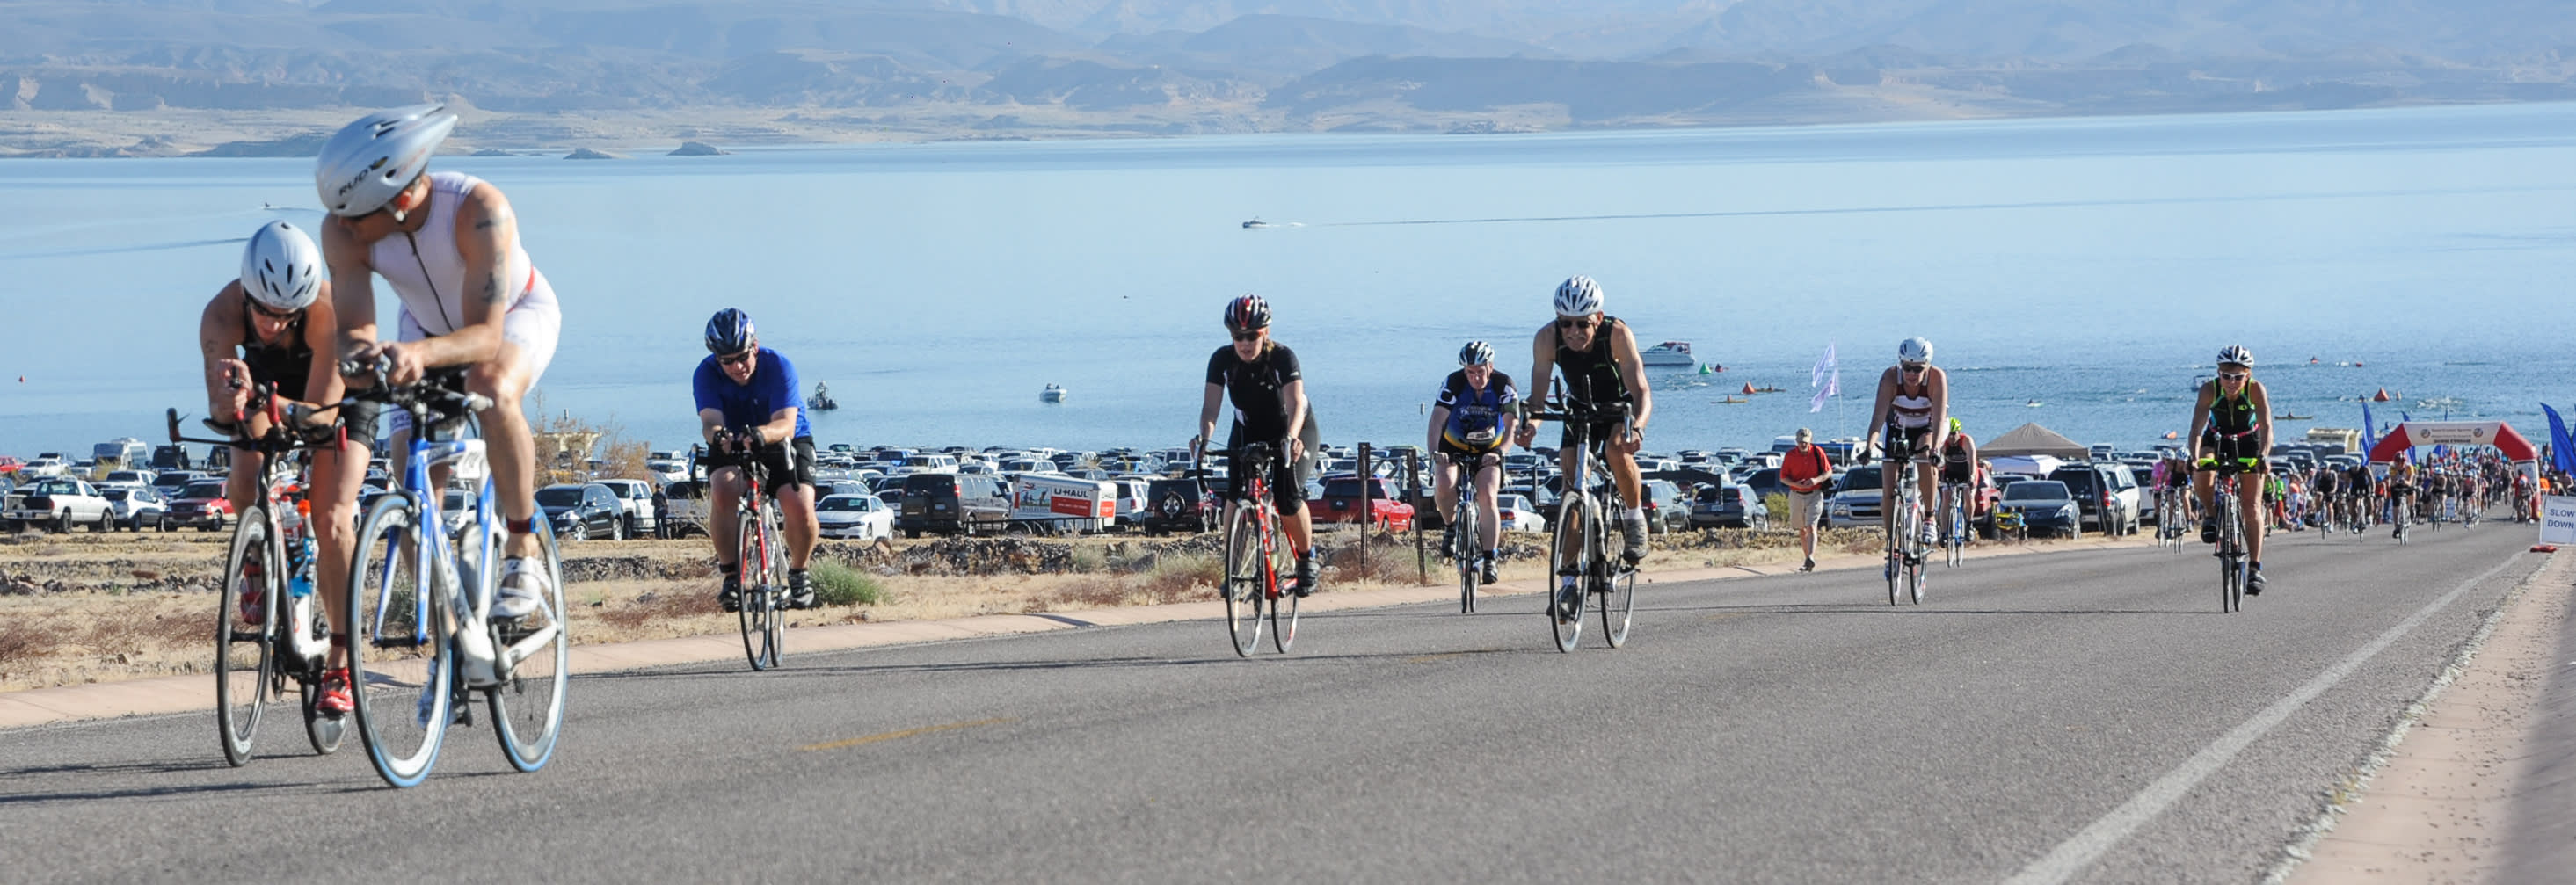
(427,271)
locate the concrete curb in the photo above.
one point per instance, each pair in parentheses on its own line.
(179,694)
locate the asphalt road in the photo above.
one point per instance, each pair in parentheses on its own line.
(2083,716)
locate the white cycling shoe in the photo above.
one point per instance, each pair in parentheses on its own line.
(523,589)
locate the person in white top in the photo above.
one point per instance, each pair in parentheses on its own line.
(448,244)
(1912,417)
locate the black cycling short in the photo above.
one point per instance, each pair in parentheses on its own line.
(2230,447)
(1602,431)
(1958,472)
(1903,442)
(1287,483)
(784,469)
(1458,452)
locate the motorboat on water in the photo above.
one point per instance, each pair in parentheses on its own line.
(1669,355)
(1054,393)
(822,400)
(1256,223)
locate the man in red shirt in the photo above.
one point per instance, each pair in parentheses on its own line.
(1804,471)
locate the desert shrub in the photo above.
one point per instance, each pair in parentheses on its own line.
(660,606)
(1176,576)
(837,584)
(24,640)
(1776,504)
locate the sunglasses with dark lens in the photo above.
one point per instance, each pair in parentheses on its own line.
(2235,376)
(1911,368)
(262,310)
(1578,323)
(734,360)
(1254,335)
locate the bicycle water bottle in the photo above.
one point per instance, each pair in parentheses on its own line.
(301,585)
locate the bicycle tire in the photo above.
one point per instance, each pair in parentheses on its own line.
(398,657)
(752,569)
(1896,530)
(1243,585)
(776,543)
(2231,546)
(1571,552)
(246,653)
(1619,607)
(1958,523)
(323,731)
(1281,603)
(1915,553)
(528,706)
(1470,542)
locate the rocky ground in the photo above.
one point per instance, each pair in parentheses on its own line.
(84,607)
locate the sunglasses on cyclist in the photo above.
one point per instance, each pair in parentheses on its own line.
(1253,335)
(262,310)
(735,359)
(1913,368)
(2234,376)
(1578,322)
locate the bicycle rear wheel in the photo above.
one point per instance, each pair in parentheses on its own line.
(778,589)
(1957,546)
(245,649)
(1470,543)
(1618,606)
(535,669)
(1571,554)
(400,670)
(759,596)
(1244,584)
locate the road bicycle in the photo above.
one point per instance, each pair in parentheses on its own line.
(1466,539)
(420,595)
(1954,522)
(2231,550)
(1580,552)
(2173,516)
(2400,513)
(259,644)
(1905,546)
(1255,559)
(761,559)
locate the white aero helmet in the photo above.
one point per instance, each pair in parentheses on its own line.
(363,166)
(1914,350)
(281,268)
(1578,296)
(2236,355)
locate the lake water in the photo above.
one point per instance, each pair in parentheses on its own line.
(2090,265)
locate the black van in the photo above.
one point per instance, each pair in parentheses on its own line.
(948,503)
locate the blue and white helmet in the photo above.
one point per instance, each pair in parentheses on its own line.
(1476,353)
(281,268)
(1578,296)
(729,332)
(367,162)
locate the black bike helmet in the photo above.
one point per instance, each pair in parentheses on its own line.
(1247,313)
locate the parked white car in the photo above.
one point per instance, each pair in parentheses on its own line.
(58,504)
(862,517)
(636,497)
(137,506)
(1518,515)
(47,464)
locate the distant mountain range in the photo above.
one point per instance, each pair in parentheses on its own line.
(988,67)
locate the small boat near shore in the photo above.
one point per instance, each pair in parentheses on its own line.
(822,400)
(1669,355)
(1054,393)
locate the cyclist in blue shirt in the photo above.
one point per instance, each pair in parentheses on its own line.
(747,408)
(1471,427)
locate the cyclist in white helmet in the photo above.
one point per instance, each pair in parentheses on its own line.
(449,245)
(1471,428)
(1911,419)
(272,333)
(1602,366)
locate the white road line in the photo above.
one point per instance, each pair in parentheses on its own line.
(2089,844)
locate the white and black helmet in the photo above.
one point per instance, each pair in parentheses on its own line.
(363,166)
(1914,350)
(281,268)
(1578,296)
(1476,353)
(2236,355)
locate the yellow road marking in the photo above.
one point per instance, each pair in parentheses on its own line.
(893,735)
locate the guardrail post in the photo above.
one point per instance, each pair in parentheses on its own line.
(1368,492)
(1413,481)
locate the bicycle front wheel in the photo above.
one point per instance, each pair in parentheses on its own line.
(1244,585)
(246,616)
(1618,606)
(759,590)
(400,670)
(535,668)
(1571,555)
(1468,539)
(1283,603)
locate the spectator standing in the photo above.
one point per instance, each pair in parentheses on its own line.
(1804,470)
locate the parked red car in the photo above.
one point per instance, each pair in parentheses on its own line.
(1342,503)
(202,505)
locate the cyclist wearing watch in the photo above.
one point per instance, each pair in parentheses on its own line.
(1599,357)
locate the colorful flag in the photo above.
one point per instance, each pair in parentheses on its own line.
(1827,375)
(2561,451)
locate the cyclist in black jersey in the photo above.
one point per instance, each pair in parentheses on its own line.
(1602,367)
(1262,379)
(1471,427)
(2232,419)
(274,328)
(1959,467)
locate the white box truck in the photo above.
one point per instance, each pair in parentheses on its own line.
(1045,503)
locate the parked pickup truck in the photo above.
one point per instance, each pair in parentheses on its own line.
(57,504)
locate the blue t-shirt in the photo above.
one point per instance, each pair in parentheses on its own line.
(773,387)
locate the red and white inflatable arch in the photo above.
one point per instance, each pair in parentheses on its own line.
(2454,433)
